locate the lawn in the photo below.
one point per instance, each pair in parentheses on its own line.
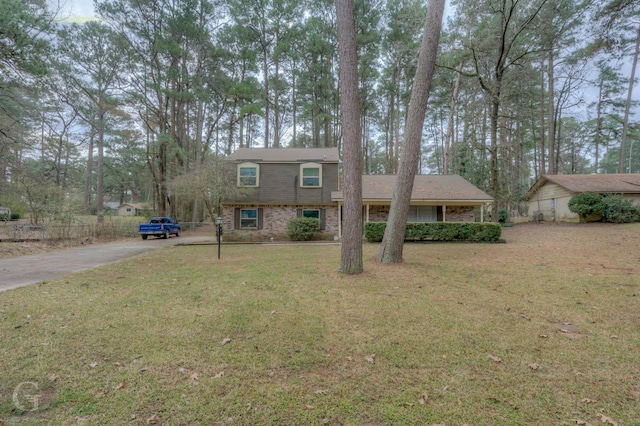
(542,330)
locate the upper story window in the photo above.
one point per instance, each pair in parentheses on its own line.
(311,175)
(248,174)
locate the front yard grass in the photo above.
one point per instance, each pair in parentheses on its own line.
(543,330)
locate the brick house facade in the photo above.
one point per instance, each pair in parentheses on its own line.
(284,183)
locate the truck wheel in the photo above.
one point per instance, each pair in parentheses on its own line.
(144,237)
(167,235)
(177,232)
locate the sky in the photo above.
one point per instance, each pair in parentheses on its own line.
(82,8)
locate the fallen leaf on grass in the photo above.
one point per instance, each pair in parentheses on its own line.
(588,401)
(534,366)
(93,365)
(581,422)
(635,394)
(121,385)
(153,420)
(321,392)
(607,420)
(370,358)
(309,407)
(495,358)
(349,358)
(543,336)
(53,377)
(423,398)
(225,341)
(100,393)
(219,375)
(195,378)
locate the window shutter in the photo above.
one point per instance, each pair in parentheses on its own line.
(299,212)
(323,215)
(260,218)
(236,218)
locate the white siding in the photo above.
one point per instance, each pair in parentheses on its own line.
(552,201)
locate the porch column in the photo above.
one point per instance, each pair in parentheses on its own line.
(340,220)
(444,213)
(481,212)
(367,215)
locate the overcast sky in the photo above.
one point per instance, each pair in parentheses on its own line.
(81,7)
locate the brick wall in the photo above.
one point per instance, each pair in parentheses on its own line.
(275,220)
(460,214)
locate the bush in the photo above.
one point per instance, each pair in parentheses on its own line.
(619,210)
(586,204)
(503,216)
(15,216)
(303,228)
(439,231)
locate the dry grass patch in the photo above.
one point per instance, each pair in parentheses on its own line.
(541,330)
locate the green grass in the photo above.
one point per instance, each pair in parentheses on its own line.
(459,334)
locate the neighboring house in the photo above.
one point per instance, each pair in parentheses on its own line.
(435,198)
(549,197)
(5,212)
(131,209)
(111,207)
(291,182)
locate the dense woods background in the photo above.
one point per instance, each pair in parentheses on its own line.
(139,105)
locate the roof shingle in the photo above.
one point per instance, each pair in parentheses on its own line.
(425,188)
(601,184)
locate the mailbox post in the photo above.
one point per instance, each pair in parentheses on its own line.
(219,233)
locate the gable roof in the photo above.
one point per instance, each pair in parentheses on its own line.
(601,184)
(286,155)
(426,188)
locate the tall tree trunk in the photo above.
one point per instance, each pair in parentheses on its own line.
(625,123)
(265,76)
(596,139)
(552,118)
(351,253)
(393,241)
(543,169)
(452,109)
(100,186)
(88,182)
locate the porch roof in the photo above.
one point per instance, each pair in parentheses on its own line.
(427,189)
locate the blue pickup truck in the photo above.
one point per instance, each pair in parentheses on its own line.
(159,227)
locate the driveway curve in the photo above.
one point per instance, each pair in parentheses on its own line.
(24,270)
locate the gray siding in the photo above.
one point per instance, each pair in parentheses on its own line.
(280,184)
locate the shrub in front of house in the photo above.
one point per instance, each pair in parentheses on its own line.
(618,209)
(503,216)
(586,204)
(302,228)
(439,231)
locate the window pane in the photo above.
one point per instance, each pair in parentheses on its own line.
(248,176)
(249,218)
(311,176)
(311,213)
(310,172)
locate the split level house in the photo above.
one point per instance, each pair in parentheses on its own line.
(283,183)
(549,197)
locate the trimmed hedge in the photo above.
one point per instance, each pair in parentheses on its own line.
(302,228)
(439,231)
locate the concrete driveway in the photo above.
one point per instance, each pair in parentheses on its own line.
(24,270)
